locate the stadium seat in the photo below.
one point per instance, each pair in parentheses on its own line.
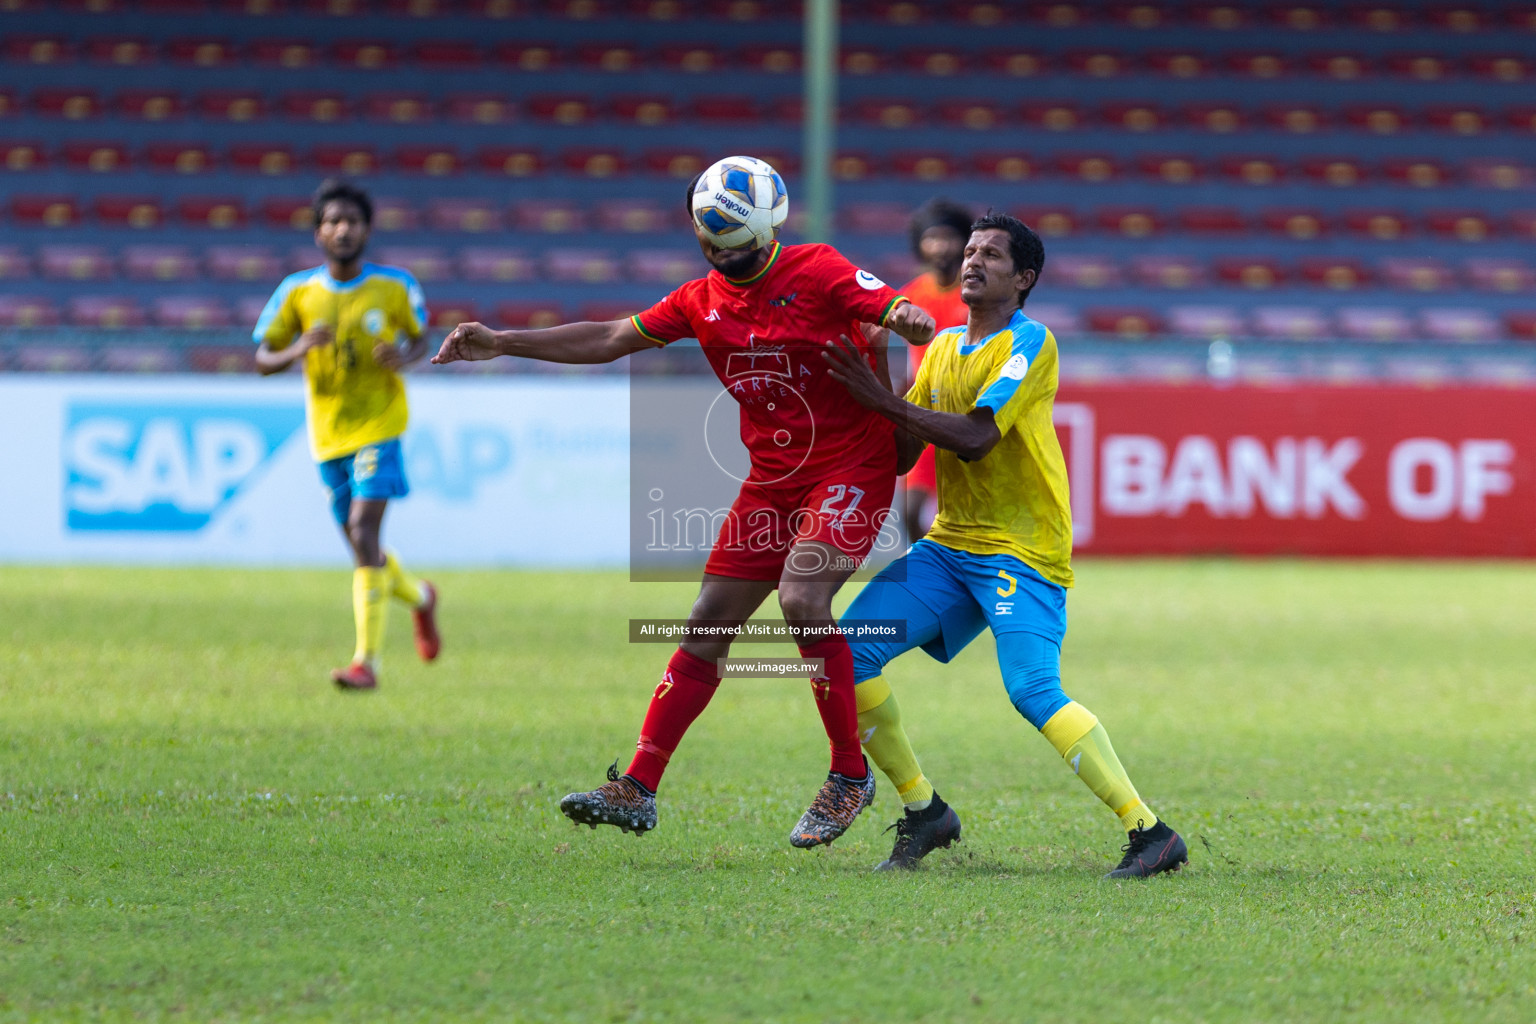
(105,312)
(366,55)
(888,112)
(178,157)
(202,53)
(1256,273)
(391,213)
(398,107)
(427,263)
(1417,273)
(1053,116)
(319,106)
(581,266)
(263,158)
(1170,169)
(853,166)
(1005,166)
(564,109)
(1300,17)
(1501,67)
(1178,63)
(254,263)
(69,104)
(1377,118)
(1212,220)
(976,115)
(1424,67)
(1417,173)
(1501,275)
(613,58)
(472,215)
(1291,323)
(1334,171)
(447,54)
(1459,324)
(1258,65)
(150,104)
(669,267)
(1162,270)
(1381,18)
(1062,320)
(775,59)
(1050,221)
(1099,63)
(1125,322)
(95,156)
(23,156)
(790,110)
(692,59)
(52,358)
(1374,323)
(28,48)
(1299,224)
(643,110)
(302,257)
(1216,118)
(1083,271)
(190,312)
(593,162)
(238,359)
(446,315)
(1206,321)
(1341,67)
(122,211)
(291,54)
(1520,323)
(1381,225)
(1014,63)
(433,161)
(1458,119)
(529,314)
(935,63)
(924,165)
(859,61)
(14,263)
(1460,225)
(718,109)
(479,108)
(159,263)
(496,263)
(1088,167)
(522,56)
(1297,119)
(551,216)
(1500,174)
(1521,118)
(875,218)
(27,311)
(1252,170)
(510,161)
(45,211)
(288,212)
(218,212)
(1130,221)
(1336,273)
(1133,117)
(8,103)
(638,216)
(231,105)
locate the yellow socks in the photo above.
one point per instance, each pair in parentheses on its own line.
(401,583)
(1084,745)
(885,741)
(370,609)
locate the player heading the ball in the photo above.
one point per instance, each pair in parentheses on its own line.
(823,468)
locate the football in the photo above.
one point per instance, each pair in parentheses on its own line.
(740,203)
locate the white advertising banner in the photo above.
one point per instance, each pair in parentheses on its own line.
(203,470)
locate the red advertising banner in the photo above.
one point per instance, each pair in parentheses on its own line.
(1307,470)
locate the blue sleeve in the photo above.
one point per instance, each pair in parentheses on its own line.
(272,314)
(999,391)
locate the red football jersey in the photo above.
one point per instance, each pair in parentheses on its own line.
(763,337)
(943,304)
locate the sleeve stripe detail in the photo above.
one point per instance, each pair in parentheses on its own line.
(647,335)
(890,306)
(274,305)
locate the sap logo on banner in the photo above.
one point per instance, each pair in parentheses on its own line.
(1306,477)
(167,467)
(454,467)
(1459,479)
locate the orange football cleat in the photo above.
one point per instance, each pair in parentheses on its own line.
(356,676)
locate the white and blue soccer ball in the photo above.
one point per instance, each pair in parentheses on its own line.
(740,203)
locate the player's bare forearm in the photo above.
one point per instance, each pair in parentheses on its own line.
(911,322)
(908,450)
(585,342)
(270,361)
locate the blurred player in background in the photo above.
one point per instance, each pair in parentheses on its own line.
(823,472)
(938,230)
(1000,551)
(346,320)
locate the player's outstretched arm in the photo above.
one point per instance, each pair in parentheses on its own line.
(971,435)
(911,322)
(585,342)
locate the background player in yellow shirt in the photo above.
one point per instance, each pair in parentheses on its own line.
(1000,551)
(346,320)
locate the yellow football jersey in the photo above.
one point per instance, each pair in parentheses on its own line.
(351,400)
(1014,500)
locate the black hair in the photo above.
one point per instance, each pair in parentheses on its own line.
(1024,245)
(936,213)
(337,190)
(693,183)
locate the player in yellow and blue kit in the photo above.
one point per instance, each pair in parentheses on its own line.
(346,320)
(1000,550)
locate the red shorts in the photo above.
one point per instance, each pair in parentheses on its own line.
(846,509)
(922,474)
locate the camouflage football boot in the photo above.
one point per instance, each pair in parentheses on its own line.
(620,801)
(839,802)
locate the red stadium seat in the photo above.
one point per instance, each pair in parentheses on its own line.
(1134,117)
(1158,270)
(1006,166)
(218,212)
(47,211)
(550,216)
(284,53)
(1053,117)
(1015,63)
(1216,118)
(1460,225)
(367,55)
(676,163)
(924,164)
(479,108)
(1099,63)
(1374,323)
(472,215)
(1178,63)
(1223,16)
(75,262)
(1252,170)
(716,109)
(447,54)
(895,12)
(1506,275)
(1417,273)
(1212,220)
(888,112)
(1381,18)
(529,314)
(935,63)
(1127,323)
(1062,320)
(69,104)
(876,218)
(581,266)
(398,107)
(1336,273)
(333,8)
(521,56)
(159,263)
(321,107)
(53,358)
(1458,119)
(1420,173)
(433,161)
(791,110)
(255,263)
(191,312)
(773,58)
(27,311)
(393,214)
(202,53)
(1291,323)
(426,263)
(129,211)
(1081,271)
(1377,118)
(1521,324)
(445,316)
(567,110)
(1297,119)
(14,264)
(860,60)
(1334,171)
(1257,273)
(1341,67)
(1300,17)
(1206,322)
(511,161)
(1059,15)
(977,115)
(638,217)
(614,58)
(96,157)
(643,110)
(1459,324)
(141,358)
(424,9)
(1501,67)
(263,158)
(1130,221)
(1381,225)
(1521,118)
(663,266)
(1049,221)
(178,157)
(592,162)
(983,14)
(351,160)
(486,263)
(853,166)
(28,48)
(150,104)
(231,105)
(1258,65)
(693,59)
(1169,169)
(1089,167)
(23,156)
(1424,67)
(1501,174)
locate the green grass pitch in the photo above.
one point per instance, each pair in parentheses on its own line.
(194,826)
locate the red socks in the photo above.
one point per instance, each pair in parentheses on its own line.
(682,694)
(836,703)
